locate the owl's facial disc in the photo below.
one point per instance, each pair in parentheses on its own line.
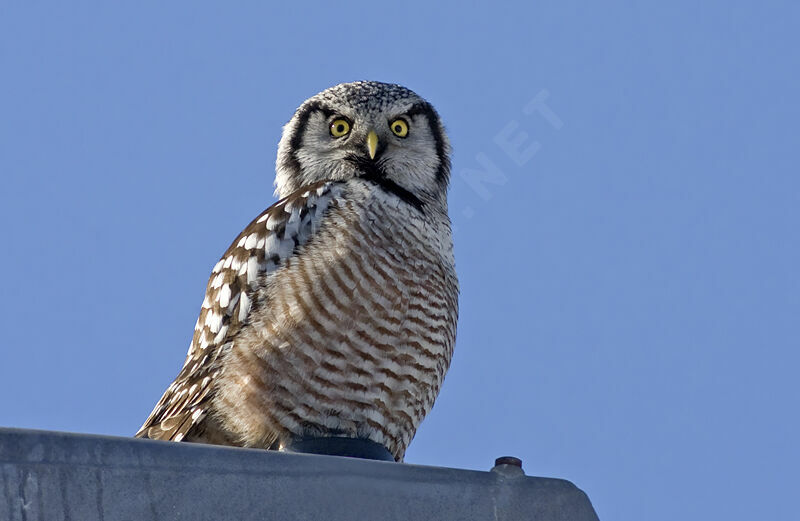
(362,128)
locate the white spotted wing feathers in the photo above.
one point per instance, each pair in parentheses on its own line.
(265,243)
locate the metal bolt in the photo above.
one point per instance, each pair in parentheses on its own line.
(508,460)
(508,466)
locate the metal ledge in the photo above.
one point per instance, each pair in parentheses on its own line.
(76,477)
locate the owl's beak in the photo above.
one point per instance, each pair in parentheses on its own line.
(372,143)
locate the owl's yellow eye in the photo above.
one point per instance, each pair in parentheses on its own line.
(340,127)
(399,127)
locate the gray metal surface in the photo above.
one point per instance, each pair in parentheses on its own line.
(75,477)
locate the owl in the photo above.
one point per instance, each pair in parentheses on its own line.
(333,313)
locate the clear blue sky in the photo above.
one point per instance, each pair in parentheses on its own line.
(629,270)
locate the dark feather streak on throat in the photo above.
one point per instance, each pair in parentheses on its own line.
(372,172)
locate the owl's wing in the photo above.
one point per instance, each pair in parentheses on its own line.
(263,245)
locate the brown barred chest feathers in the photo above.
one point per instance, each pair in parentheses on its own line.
(356,340)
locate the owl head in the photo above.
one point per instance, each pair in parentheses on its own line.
(366,128)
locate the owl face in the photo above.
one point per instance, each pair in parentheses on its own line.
(370,129)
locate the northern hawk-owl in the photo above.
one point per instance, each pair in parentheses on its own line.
(334,312)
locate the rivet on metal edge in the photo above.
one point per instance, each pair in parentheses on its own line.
(508,460)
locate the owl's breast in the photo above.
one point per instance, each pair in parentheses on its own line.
(352,336)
